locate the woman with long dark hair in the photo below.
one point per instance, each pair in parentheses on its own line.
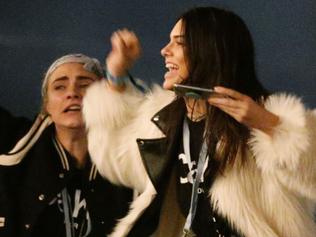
(238,163)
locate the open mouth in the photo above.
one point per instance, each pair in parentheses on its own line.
(172,67)
(73,108)
(172,71)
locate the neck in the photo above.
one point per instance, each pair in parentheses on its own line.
(75,142)
(196,109)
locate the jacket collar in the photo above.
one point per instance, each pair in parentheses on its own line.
(164,116)
(157,153)
(68,163)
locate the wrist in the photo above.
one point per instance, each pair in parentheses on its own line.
(117,79)
(271,121)
(115,67)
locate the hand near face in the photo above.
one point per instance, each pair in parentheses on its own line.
(125,51)
(244,109)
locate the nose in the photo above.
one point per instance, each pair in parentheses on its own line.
(165,51)
(73,92)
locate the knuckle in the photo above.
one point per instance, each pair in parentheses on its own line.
(243,115)
(246,108)
(247,99)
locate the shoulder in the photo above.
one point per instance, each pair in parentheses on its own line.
(156,99)
(105,107)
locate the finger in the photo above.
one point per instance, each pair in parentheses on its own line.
(228,110)
(229,92)
(228,102)
(131,42)
(127,36)
(116,43)
(121,39)
(234,113)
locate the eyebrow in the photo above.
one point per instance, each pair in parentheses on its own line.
(178,36)
(63,78)
(80,78)
(85,78)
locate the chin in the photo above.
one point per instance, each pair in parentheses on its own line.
(73,124)
(168,84)
(76,124)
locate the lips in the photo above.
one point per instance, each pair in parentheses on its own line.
(172,66)
(73,108)
(171,74)
(172,70)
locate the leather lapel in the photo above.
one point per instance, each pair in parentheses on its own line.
(158,153)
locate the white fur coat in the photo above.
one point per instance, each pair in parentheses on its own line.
(273,195)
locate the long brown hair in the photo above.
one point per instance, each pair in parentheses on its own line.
(219,51)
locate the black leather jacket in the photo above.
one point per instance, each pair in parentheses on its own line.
(28,187)
(157,158)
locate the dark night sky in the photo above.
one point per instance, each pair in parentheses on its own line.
(34,33)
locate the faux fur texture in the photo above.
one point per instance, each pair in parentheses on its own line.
(272,195)
(112,123)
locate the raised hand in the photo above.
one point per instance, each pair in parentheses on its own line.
(244,109)
(125,51)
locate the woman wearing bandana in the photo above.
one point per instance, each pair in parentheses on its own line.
(49,186)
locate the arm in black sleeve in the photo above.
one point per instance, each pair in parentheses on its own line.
(11,129)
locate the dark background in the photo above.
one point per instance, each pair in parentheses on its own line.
(34,33)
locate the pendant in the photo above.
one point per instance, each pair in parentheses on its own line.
(188,233)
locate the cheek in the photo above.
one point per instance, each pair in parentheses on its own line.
(51,104)
(184,71)
(83,91)
(48,107)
